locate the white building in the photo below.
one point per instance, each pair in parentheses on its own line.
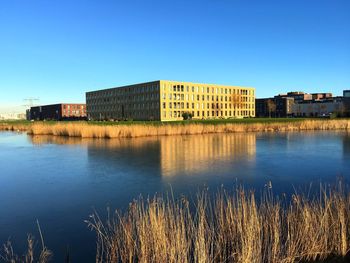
(319,108)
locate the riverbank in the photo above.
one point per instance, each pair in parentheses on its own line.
(142,129)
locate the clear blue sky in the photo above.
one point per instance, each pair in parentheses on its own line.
(57,50)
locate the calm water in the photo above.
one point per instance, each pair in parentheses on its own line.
(60,181)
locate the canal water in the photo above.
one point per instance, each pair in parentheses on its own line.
(61,181)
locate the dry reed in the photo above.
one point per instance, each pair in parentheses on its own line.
(85,130)
(8,255)
(227,228)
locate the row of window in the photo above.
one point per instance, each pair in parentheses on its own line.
(120,91)
(120,99)
(208,114)
(186,97)
(73,112)
(73,107)
(104,107)
(187,105)
(146,114)
(182,88)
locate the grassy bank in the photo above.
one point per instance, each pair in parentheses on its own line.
(224,227)
(85,130)
(139,129)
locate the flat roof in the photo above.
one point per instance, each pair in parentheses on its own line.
(174,81)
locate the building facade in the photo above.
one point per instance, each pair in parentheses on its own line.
(278,107)
(323,108)
(169,100)
(62,111)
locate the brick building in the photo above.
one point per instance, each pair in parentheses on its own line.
(62,111)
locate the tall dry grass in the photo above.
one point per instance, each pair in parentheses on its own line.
(31,255)
(85,130)
(14,127)
(227,228)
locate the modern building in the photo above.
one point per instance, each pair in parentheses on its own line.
(62,111)
(278,107)
(169,100)
(346,93)
(323,108)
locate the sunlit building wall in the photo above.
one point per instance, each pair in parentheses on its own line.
(169,100)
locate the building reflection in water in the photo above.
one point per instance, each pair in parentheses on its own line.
(168,155)
(195,154)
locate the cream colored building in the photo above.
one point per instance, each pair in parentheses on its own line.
(168,100)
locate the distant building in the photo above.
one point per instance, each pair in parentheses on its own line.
(169,100)
(12,116)
(322,108)
(300,104)
(346,96)
(299,96)
(321,96)
(278,107)
(62,111)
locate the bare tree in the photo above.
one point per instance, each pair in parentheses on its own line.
(271,107)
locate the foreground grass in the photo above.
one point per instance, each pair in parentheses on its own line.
(225,228)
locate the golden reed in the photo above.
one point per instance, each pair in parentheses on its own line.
(85,130)
(228,228)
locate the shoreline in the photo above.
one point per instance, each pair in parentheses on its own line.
(134,130)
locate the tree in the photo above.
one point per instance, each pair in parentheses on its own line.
(271,107)
(187,115)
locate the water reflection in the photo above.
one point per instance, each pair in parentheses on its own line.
(195,154)
(346,144)
(172,155)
